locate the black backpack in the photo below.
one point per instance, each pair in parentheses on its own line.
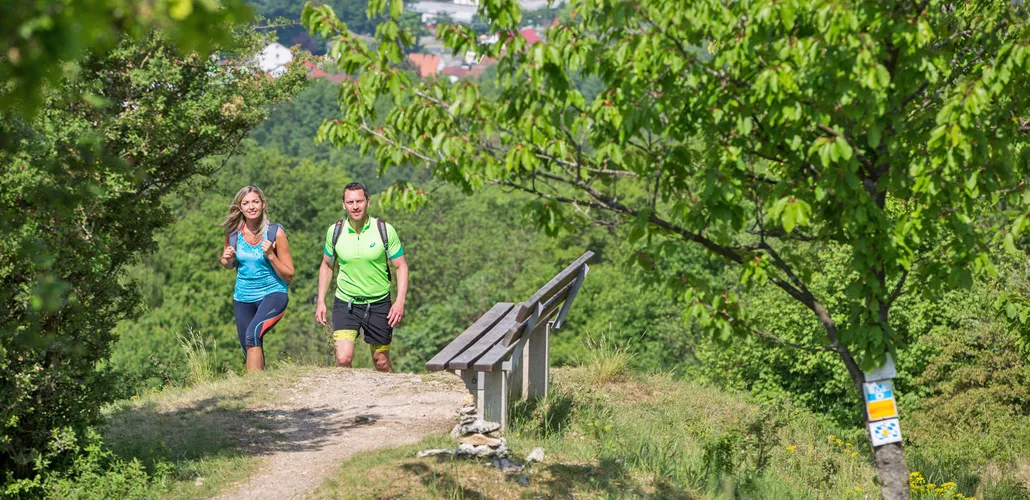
(382,233)
(270,234)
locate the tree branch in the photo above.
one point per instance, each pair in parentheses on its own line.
(897,288)
(769,336)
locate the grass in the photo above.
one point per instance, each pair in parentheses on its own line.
(605,360)
(607,432)
(198,362)
(636,437)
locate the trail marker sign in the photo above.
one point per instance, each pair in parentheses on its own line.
(878,391)
(879,400)
(885,432)
(880,410)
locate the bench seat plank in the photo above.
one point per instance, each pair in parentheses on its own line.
(494,358)
(495,334)
(466,339)
(568,275)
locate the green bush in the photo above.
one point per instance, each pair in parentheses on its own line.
(91,471)
(82,191)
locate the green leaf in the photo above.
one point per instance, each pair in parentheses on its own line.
(883,77)
(1010,244)
(639,228)
(843,147)
(787,15)
(795,213)
(874,135)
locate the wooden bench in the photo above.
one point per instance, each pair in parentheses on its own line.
(506,351)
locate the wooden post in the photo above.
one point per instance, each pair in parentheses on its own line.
(472,384)
(525,371)
(480,395)
(495,401)
(516,368)
(539,361)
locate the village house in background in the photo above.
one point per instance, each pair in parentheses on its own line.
(273,59)
(462,10)
(435,60)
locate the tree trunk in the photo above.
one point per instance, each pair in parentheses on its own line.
(892,471)
(889,459)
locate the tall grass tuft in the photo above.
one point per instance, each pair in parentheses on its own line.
(197,359)
(606,361)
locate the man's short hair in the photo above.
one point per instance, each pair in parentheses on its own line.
(354,186)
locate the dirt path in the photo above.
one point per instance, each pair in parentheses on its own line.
(330,416)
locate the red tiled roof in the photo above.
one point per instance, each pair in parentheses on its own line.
(314,71)
(463,72)
(426,63)
(457,71)
(337,78)
(530,35)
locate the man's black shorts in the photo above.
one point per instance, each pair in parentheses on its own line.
(370,318)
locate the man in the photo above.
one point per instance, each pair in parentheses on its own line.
(363,284)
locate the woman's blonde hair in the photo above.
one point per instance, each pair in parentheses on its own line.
(234,219)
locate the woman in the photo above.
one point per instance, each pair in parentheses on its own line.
(260,253)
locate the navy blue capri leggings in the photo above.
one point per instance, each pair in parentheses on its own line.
(254,319)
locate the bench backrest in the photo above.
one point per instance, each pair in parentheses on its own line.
(558,285)
(491,338)
(554,297)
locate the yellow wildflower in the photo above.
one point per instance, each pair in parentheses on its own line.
(791,448)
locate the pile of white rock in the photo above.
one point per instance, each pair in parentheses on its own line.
(478,438)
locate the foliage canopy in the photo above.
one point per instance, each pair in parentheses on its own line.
(40,38)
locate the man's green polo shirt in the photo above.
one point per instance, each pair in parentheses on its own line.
(362,261)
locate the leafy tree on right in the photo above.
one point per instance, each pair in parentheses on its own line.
(757,130)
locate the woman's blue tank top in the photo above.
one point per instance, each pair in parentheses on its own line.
(255,277)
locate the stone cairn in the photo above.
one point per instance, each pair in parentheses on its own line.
(478,439)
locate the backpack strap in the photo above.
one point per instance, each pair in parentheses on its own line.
(272,232)
(234,238)
(386,247)
(336,237)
